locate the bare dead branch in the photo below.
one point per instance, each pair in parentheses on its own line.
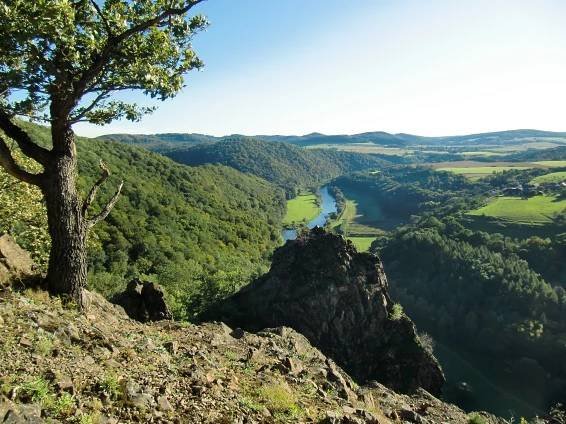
(92,193)
(12,168)
(107,209)
(23,140)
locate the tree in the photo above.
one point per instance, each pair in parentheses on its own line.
(61,61)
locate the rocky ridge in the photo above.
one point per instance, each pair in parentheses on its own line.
(59,365)
(338,298)
(62,366)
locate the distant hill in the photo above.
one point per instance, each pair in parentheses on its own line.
(288,166)
(168,141)
(158,142)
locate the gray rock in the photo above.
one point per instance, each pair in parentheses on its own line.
(144,301)
(163,404)
(320,286)
(15,263)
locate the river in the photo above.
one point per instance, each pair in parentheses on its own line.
(328,206)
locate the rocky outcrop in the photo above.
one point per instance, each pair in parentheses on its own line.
(15,263)
(144,301)
(65,366)
(338,298)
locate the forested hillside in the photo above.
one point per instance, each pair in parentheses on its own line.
(497,298)
(287,166)
(199,231)
(159,142)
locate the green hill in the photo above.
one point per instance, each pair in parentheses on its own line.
(287,166)
(199,231)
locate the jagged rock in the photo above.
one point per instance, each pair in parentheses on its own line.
(15,263)
(163,404)
(23,414)
(338,298)
(143,301)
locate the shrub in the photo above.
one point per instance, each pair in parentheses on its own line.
(396,312)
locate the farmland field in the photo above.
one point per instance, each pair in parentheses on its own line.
(537,210)
(302,208)
(551,163)
(364,148)
(481,170)
(554,177)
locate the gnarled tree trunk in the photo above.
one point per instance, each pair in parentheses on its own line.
(67,270)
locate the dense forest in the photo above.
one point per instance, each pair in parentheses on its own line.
(403,192)
(287,166)
(495,295)
(159,142)
(199,231)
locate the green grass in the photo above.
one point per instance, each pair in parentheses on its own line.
(302,208)
(348,215)
(481,153)
(554,177)
(552,163)
(537,210)
(362,243)
(480,170)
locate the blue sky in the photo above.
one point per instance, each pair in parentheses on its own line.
(434,67)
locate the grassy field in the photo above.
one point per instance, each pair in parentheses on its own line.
(348,224)
(552,163)
(362,243)
(480,170)
(364,148)
(481,153)
(554,177)
(537,210)
(302,208)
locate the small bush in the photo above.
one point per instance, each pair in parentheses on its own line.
(396,312)
(110,387)
(427,342)
(476,419)
(44,346)
(64,406)
(279,399)
(36,390)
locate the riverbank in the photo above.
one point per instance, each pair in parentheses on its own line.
(346,224)
(299,208)
(302,209)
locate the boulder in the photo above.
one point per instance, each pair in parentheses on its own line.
(338,298)
(15,263)
(144,301)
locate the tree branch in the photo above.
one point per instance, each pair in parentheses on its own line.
(82,114)
(104,56)
(107,209)
(12,168)
(92,193)
(23,140)
(102,17)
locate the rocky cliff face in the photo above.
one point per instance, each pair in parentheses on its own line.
(338,298)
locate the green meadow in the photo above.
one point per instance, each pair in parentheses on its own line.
(302,208)
(362,243)
(537,210)
(554,177)
(552,163)
(480,170)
